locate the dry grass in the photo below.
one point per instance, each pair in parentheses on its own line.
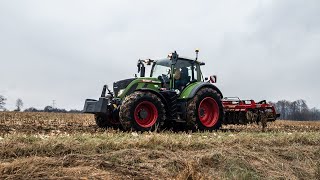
(70,146)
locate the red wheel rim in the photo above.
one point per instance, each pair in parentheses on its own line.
(146,114)
(208,112)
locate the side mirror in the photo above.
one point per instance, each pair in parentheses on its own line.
(212,79)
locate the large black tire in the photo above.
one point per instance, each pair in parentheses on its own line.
(142,111)
(104,121)
(205,111)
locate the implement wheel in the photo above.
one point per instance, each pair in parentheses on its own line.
(205,110)
(142,111)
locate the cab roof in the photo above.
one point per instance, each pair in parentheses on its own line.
(183,61)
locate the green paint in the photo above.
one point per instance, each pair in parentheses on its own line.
(154,85)
(186,92)
(140,85)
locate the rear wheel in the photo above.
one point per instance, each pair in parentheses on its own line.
(142,111)
(205,111)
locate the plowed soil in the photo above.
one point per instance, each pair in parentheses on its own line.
(71,146)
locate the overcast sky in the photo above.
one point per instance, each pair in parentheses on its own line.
(66,50)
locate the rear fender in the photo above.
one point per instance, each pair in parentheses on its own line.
(191,90)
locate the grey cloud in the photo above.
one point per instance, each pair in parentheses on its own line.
(66,50)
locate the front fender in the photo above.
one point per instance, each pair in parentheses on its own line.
(140,83)
(163,99)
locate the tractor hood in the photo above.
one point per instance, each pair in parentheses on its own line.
(121,85)
(128,86)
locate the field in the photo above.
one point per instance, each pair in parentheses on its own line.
(70,146)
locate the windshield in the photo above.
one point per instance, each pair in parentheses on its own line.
(190,71)
(159,70)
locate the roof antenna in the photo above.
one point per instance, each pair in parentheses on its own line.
(197,52)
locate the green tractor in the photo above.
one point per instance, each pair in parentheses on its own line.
(175,95)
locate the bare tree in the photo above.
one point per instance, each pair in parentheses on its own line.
(2,102)
(19,104)
(296,110)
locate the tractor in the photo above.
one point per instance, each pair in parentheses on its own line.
(175,95)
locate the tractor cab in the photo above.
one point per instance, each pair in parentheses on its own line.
(176,72)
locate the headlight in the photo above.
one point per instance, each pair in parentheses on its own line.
(120,92)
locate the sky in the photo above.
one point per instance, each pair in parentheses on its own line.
(67,50)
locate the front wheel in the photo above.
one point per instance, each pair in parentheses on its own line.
(205,110)
(142,111)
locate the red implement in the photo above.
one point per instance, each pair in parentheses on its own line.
(247,111)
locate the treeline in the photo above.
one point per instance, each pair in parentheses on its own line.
(289,110)
(296,110)
(51,109)
(19,105)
